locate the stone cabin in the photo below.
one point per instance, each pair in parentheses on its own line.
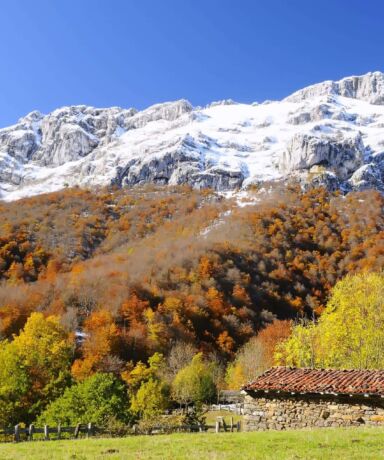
(286,398)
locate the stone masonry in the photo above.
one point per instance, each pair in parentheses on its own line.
(264,411)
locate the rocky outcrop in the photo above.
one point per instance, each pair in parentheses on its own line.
(322,178)
(223,102)
(342,156)
(64,135)
(71,133)
(182,164)
(369,87)
(218,179)
(370,175)
(170,111)
(317,113)
(19,144)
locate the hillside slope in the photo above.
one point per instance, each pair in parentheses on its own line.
(169,264)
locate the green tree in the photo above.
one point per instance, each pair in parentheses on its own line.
(350,332)
(151,399)
(95,399)
(195,383)
(150,392)
(141,372)
(14,385)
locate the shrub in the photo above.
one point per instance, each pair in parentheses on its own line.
(195,382)
(95,400)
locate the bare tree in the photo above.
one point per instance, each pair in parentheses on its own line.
(180,355)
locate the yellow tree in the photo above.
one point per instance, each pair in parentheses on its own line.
(352,325)
(350,332)
(45,350)
(235,375)
(147,388)
(301,349)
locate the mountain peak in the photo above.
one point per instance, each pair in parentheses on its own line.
(368,87)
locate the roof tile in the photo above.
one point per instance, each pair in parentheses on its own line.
(304,380)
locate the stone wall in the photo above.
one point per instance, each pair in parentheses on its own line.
(279,412)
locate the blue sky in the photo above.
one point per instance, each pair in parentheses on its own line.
(136,53)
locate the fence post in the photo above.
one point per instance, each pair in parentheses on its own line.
(239,426)
(89,430)
(217,426)
(46,432)
(17,433)
(30,432)
(77,430)
(59,431)
(231,424)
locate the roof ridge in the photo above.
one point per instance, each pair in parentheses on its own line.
(325,369)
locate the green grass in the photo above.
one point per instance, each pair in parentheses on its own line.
(212,415)
(353,443)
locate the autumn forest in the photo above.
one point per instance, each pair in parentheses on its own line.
(169,277)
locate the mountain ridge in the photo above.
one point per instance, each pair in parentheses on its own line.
(330,133)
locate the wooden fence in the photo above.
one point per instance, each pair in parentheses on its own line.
(48,433)
(18,433)
(222,425)
(236,408)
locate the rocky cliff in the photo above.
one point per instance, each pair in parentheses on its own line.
(331,133)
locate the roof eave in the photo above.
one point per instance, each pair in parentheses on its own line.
(310,393)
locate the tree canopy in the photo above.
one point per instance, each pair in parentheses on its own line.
(350,332)
(136,282)
(195,382)
(96,399)
(34,367)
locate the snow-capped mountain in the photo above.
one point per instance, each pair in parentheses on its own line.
(331,133)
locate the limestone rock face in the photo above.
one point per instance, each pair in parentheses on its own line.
(317,113)
(342,156)
(71,133)
(369,87)
(325,179)
(369,175)
(20,144)
(169,111)
(330,134)
(181,164)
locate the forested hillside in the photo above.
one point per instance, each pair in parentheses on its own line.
(156,286)
(174,264)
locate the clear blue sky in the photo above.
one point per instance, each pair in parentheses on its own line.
(134,53)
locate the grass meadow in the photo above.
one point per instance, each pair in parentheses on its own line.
(337,443)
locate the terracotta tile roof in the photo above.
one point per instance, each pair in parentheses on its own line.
(328,381)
